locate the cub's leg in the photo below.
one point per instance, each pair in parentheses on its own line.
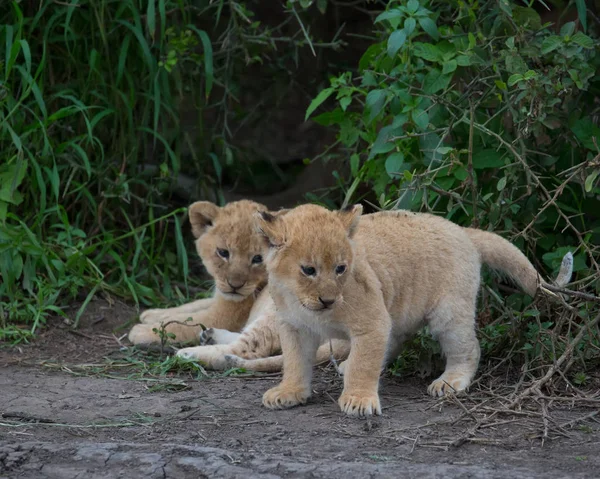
(222,314)
(453,325)
(271,364)
(153,316)
(260,339)
(393,351)
(368,348)
(299,348)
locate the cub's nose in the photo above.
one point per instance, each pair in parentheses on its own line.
(326,302)
(236,285)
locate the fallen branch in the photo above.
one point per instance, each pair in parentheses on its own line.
(566,355)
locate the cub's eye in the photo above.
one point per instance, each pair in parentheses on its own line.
(308,270)
(341,269)
(223,253)
(257,259)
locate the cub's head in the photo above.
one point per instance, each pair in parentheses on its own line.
(230,247)
(310,254)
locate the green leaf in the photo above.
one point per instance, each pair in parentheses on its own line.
(567,29)
(395,42)
(208,58)
(574,74)
(435,81)
(582,13)
(11,176)
(354,164)
(374,102)
(463,60)
(515,64)
(369,57)
(527,16)
(487,159)
(514,79)
(321,97)
(421,119)
(151,18)
(461,173)
(348,133)
(26,54)
(501,85)
(345,101)
(551,43)
(409,25)
(472,40)
(582,40)
(382,143)
(501,184)
(584,129)
(589,181)
(427,51)
(428,25)
(412,6)
(393,165)
(450,66)
(429,145)
(330,117)
(394,14)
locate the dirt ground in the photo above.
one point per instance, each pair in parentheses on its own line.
(59,421)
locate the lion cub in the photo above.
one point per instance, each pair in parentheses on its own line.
(375,281)
(232,252)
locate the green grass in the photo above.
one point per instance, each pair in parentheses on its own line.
(84,95)
(160,371)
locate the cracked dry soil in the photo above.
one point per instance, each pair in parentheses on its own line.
(58,424)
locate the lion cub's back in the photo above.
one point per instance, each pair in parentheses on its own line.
(417,244)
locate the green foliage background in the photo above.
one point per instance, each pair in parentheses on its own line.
(479,111)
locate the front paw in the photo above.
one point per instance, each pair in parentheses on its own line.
(143,335)
(282,397)
(360,404)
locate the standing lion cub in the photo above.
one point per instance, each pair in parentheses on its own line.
(375,281)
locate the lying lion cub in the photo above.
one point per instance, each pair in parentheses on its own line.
(374,282)
(232,252)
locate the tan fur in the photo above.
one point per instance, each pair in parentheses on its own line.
(403,270)
(228,228)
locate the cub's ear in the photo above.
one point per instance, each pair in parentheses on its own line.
(271,226)
(202,215)
(349,217)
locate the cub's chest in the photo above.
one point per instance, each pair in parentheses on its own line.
(321,324)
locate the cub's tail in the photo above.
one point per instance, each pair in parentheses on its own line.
(501,255)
